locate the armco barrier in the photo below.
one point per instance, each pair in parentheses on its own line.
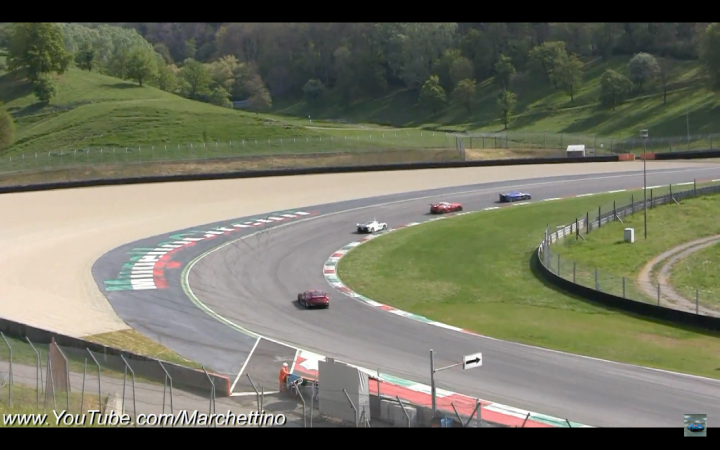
(695,154)
(614,301)
(302,171)
(181,376)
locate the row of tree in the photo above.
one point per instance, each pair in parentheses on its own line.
(45,49)
(361,59)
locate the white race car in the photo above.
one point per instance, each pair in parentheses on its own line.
(371,227)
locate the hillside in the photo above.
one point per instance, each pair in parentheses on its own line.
(93,110)
(542,108)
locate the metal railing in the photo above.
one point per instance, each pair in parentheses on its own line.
(646,288)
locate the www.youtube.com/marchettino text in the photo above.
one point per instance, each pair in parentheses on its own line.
(184,418)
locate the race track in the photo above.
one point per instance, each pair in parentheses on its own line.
(55,237)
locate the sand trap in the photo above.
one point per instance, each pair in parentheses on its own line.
(50,240)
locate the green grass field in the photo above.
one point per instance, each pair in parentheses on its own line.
(699,271)
(669,225)
(542,108)
(97,111)
(481,279)
(24,400)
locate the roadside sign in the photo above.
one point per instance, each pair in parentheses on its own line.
(472,361)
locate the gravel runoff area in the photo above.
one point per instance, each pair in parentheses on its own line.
(51,239)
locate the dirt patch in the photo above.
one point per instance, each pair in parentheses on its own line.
(208,166)
(477,154)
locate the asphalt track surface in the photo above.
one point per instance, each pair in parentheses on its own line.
(254,281)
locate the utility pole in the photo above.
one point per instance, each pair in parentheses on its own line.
(644,134)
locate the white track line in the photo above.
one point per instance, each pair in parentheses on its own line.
(242,369)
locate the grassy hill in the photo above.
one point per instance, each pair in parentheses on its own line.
(93,110)
(542,108)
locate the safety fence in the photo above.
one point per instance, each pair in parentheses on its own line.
(65,383)
(340,147)
(647,289)
(348,148)
(557,143)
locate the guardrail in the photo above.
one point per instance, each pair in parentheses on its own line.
(565,274)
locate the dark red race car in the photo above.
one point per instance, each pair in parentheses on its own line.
(445,207)
(314,299)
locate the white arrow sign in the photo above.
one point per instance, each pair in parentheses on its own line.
(472,361)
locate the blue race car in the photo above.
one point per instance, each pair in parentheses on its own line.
(514,196)
(696,425)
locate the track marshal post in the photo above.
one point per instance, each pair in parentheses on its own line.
(468,362)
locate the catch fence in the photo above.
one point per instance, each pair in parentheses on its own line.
(555,144)
(646,289)
(340,147)
(47,378)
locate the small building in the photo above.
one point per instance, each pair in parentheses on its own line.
(576,151)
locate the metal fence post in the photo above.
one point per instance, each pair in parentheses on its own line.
(99,375)
(407,416)
(479,413)
(167,377)
(352,405)
(67,374)
(597,284)
(132,374)
(574,266)
(257,393)
(587,222)
(10,368)
(212,394)
(297,387)
(38,373)
(558,264)
(82,391)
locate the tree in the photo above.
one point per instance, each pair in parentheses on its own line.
(547,56)
(85,58)
(162,50)
(567,73)
(643,68)
(166,78)
(614,87)
(196,79)
(260,99)
(141,65)
(225,71)
(461,69)
(38,48)
(44,88)
(504,72)
(710,53)
(464,93)
(313,90)
(7,129)
(432,95)
(220,97)
(506,102)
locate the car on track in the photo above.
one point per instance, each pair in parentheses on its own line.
(371,227)
(696,426)
(314,299)
(514,196)
(445,207)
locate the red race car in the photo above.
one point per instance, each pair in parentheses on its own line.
(314,299)
(445,207)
